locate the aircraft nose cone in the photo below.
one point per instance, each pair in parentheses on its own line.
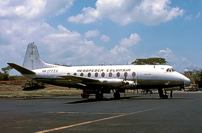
(186,81)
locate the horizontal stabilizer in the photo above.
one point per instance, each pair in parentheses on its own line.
(20,69)
(79,78)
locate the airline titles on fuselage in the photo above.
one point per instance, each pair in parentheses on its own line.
(102,70)
(89,70)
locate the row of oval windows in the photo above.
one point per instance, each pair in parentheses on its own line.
(110,74)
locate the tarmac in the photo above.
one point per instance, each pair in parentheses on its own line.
(138,113)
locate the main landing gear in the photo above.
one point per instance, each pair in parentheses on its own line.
(99,95)
(84,95)
(161,95)
(116,95)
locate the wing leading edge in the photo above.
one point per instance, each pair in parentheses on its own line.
(84,79)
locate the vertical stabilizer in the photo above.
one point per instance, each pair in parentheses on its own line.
(32,59)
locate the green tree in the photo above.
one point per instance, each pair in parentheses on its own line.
(150,61)
(198,79)
(31,84)
(7,69)
(5,75)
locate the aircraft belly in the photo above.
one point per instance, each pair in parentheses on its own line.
(158,83)
(59,82)
(104,84)
(152,82)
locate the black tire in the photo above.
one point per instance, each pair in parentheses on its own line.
(84,95)
(116,95)
(165,97)
(99,96)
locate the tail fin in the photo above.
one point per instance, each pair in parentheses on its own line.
(32,59)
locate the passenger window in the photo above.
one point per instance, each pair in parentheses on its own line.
(81,74)
(110,74)
(125,74)
(133,74)
(96,74)
(118,74)
(89,74)
(103,74)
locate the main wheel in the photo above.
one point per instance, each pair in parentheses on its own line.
(165,96)
(116,95)
(99,96)
(84,95)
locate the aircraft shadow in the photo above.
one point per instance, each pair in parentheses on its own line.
(156,98)
(95,100)
(135,98)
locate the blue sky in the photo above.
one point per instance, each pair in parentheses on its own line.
(88,32)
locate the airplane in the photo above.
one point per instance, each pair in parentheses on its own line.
(101,79)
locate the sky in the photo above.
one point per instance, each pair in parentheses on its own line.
(93,32)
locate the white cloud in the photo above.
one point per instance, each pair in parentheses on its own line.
(104,38)
(121,53)
(198,15)
(33,10)
(63,34)
(92,33)
(132,40)
(118,50)
(127,11)
(22,22)
(165,52)
(188,17)
(179,63)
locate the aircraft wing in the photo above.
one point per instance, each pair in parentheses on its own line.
(84,79)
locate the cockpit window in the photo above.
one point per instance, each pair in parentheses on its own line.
(170,70)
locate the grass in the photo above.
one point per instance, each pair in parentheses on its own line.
(9,91)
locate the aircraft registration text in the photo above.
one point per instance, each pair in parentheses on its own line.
(50,71)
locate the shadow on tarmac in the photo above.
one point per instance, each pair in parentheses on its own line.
(135,98)
(95,100)
(89,100)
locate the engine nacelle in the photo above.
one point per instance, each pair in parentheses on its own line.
(112,82)
(115,83)
(129,84)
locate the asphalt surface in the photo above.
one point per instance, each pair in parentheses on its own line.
(134,113)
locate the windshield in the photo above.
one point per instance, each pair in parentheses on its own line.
(170,70)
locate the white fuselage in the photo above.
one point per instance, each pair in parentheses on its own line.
(137,76)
